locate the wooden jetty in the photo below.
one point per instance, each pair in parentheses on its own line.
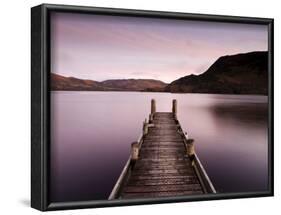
(163,162)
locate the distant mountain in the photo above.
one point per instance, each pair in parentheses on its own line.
(135,84)
(235,74)
(59,82)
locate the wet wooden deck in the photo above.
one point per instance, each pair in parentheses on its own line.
(163,167)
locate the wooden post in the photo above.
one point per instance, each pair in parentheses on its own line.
(174,109)
(190,151)
(145,127)
(150,118)
(153,106)
(134,151)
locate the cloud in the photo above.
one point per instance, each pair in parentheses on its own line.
(104,47)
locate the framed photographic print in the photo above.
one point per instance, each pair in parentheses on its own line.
(139,107)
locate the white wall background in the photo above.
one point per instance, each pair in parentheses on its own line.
(15,105)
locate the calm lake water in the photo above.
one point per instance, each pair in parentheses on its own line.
(91,134)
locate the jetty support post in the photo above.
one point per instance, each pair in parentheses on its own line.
(190,151)
(145,127)
(153,110)
(134,151)
(174,109)
(150,118)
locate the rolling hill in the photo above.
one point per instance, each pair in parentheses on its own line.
(59,82)
(235,74)
(232,74)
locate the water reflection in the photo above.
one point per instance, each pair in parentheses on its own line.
(253,113)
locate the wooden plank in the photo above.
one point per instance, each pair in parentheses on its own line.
(163,138)
(163,150)
(150,147)
(168,144)
(161,167)
(161,177)
(165,126)
(162,174)
(162,188)
(163,143)
(147,164)
(172,153)
(162,135)
(160,194)
(159,137)
(163,171)
(163,122)
(161,181)
(161,159)
(166,132)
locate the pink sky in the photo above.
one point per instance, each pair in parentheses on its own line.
(101,47)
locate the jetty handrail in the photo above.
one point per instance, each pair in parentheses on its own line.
(126,170)
(203,176)
(198,167)
(120,181)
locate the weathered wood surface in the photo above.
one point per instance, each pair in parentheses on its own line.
(162,168)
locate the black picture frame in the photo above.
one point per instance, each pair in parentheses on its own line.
(40,104)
